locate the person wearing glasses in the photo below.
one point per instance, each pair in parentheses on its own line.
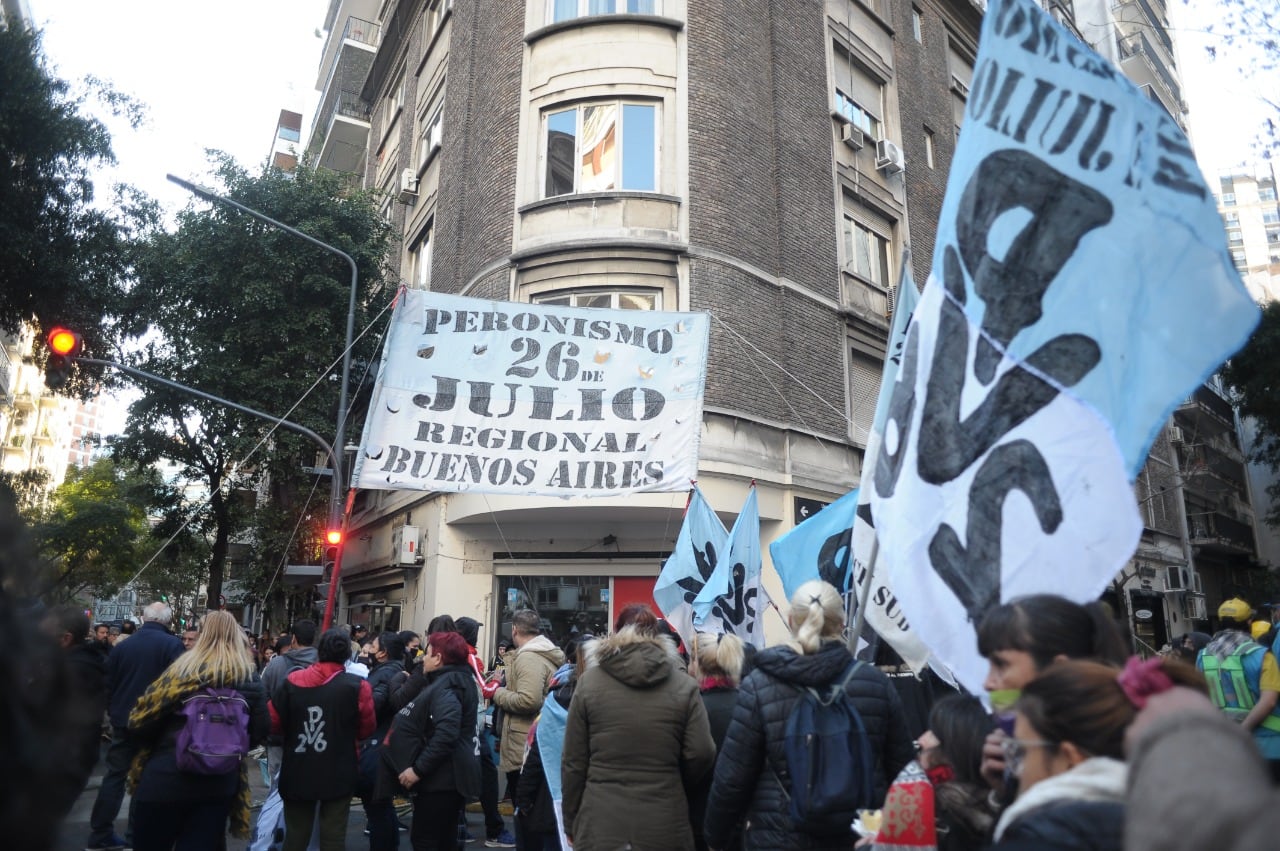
(1067,750)
(939,800)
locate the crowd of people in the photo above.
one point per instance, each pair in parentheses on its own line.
(638,739)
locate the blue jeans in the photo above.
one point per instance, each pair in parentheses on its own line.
(106,807)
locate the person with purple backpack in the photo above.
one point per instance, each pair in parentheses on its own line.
(195,723)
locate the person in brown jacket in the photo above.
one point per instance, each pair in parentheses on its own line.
(519,698)
(636,737)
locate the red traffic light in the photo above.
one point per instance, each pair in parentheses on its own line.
(334,536)
(65,342)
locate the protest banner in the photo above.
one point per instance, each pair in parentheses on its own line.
(700,545)
(1081,287)
(500,397)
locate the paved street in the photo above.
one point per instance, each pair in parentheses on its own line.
(75,830)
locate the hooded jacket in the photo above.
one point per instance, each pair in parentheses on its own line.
(279,668)
(752,764)
(528,670)
(1079,809)
(635,739)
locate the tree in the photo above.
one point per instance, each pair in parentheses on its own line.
(96,533)
(252,314)
(1253,374)
(62,260)
(1245,34)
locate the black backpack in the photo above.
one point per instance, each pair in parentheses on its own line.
(829,760)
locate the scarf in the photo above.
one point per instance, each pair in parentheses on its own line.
(158,703)
(1098,778)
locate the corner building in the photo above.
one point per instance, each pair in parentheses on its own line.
(647,155)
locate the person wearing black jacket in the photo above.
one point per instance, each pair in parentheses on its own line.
(78,752)
(388,672)
(751,777)
(432,745)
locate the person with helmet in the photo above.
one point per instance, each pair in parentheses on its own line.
(1244,680)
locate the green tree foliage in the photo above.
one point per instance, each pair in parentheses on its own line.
(96,532)
(250,313)
(62,260)
(1253,373)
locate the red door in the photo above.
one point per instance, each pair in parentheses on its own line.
(632,589)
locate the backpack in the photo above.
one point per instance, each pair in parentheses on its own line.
(215,734)
(829,760)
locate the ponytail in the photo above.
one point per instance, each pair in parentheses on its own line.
(816,616)
(718,656)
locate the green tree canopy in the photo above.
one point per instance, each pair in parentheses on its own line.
(62,260)
(96,533)
(253,314)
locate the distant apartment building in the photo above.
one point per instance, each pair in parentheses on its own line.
(1247,201)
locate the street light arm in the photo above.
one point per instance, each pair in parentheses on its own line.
(283,423)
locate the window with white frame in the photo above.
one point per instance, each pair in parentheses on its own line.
(1229,199)
(429,133)
(620,299)
(1235,237)
(420,260)
(1238,258)
(598,147)
(859,96)
(1267,193)
(928,147)
(564,10)
(867,244)
(917,27)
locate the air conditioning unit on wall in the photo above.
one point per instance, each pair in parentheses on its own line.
(408,185)
(405,544)
(853,136)
(889,157)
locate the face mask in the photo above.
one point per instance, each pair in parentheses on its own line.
(1002,700)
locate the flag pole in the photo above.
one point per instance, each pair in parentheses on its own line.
(861,617)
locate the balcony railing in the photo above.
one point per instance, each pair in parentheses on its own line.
(1138,45)
(358,29)
(1157,23)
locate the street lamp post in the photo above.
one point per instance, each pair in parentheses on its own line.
(340,430)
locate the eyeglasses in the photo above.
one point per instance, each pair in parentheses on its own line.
(1015,751)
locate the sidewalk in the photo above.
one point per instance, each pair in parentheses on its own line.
(74,835)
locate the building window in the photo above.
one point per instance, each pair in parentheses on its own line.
(429,135)
(564,10)
(928,147)
(858,115)
(1267,194)
(1270,217)
(638,299)
(1238,258)
(1273,235)
(1235,237)
(600,147)
(1232,217)
(864,388)
(917,28)
(866,252)
(1229,199)
(420,260)
(859,96)
(961,68)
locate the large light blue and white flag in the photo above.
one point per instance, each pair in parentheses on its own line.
(1081,287)
(702,543)
(733,600)
(818,548)
(883,611)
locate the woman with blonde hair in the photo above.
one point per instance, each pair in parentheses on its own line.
(751,781)
(716,663)
(183,809)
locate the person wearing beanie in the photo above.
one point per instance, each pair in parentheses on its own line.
(1244,680)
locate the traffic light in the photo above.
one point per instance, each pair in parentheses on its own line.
(64,347)
(333,540)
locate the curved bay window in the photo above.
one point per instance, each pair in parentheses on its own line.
(599,147)
(611,299)
(564,10)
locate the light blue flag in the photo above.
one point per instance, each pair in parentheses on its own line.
(818,548)
(733,599)
(701,544)
(1081,288)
